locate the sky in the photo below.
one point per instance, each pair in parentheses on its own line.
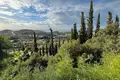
(60,15)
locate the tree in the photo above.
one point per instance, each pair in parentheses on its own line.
(72,34)
(59,42)
(35,43)
(98,24)
(22,47)
(43,52)
(51,42)
(40,52)
(50,51)
(75,33)
(110,21)
(82,34)
(117,21)
(56,48)
(90,21)
(64,41)
(46,49)
(4,44)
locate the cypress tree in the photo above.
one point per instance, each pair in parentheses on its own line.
(43,52)
(46,49)
(75,33)
(40,51)
(64,41)
(72,34)
(51,43)
(90,21)
(82,34)
(23,48)
(98,24)
(117,21)
(59,42)
(56,48)
(50,52)
(35,43)
(110,21)
(67,41)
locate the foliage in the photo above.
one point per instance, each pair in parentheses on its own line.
(90,21)
(83,33)
(4,44)
(117,21)
(72,34)
(98,24)
(96,59)
(35,43)
(110,21)
(75,33)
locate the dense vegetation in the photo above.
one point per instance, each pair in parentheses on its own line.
(87,55)
(97,59)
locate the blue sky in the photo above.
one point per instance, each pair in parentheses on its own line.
(59,14)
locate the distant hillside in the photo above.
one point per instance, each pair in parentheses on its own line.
(7,33)
(28,32)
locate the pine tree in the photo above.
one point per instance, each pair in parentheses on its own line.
(72,34)
(35,43)
(90,21)
(98,24)
(117,21)
(82,34)
(75,33)
(110,21)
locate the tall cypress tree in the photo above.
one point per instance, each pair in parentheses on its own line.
(46,49)
(51,42)
(35,43)
(72,34)
(90,21)
(82,34)
(56,48)
(117,21)
(64,41)
(43,52)
(110,21)
(75,33)
(59,42)
(23,47)
(40,51)
(98,24)
(50,52)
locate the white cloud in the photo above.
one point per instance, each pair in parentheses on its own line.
(40,6)
(8,21)
(6,13)
(17,4)
(110,5)
(4,7)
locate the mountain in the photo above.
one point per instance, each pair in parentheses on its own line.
(25,32)
(7,33)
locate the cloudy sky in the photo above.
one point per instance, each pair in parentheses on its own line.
(59,14)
